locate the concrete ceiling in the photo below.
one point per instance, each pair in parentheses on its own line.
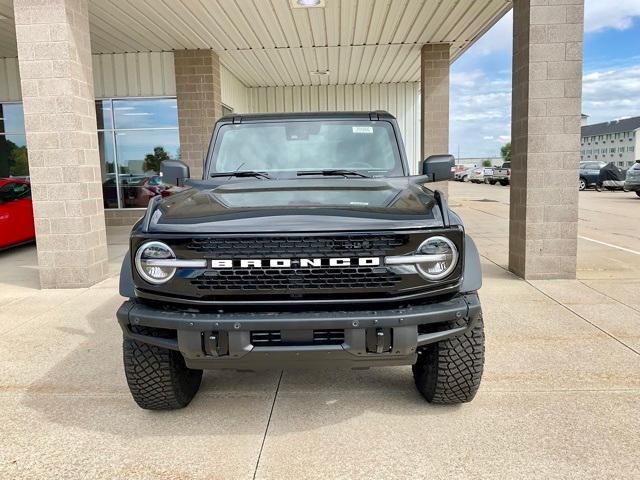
(266,42)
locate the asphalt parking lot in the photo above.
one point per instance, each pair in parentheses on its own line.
(559,398)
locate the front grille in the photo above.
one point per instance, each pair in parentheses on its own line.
(295,283)
(295,279)
(292,279)
(274,338)
(297,246)
(266,338)
(328,337)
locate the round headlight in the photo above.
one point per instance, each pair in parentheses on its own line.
(151,262)
(445,258)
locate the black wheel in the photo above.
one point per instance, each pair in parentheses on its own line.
(582,184)
(598,187)
(158,378)
(638,193)
(504,183)
(492,182)
(449,371)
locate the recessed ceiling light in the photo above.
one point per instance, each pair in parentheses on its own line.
(320,72)
(307,3)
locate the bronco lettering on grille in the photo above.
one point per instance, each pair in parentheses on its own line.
(298,262)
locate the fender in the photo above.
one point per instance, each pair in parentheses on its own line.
(126,286)
(472,275)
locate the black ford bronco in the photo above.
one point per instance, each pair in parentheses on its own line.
(306,243)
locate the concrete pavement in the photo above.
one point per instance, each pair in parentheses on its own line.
(559,397)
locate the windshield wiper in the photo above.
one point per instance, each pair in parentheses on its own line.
(334,172)
(243,173)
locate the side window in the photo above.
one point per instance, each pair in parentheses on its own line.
(22,190)
(7,193)
(14,191)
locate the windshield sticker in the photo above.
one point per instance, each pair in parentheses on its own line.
(362,129)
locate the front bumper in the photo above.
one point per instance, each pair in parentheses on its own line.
(633,186)
(366,338)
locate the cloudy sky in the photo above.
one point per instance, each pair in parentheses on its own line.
(481,78)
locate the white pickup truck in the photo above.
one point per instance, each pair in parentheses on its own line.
(501,175)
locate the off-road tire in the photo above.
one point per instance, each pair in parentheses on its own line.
(449,371)
(158,377)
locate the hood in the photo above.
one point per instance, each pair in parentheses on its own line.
(300,204)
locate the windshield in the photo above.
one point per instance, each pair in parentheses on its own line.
(284,149)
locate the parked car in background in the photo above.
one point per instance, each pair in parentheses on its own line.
(501,175)
(476,175)
(611,177)
(16,213)
(589,174)
(461,173)
(632,180)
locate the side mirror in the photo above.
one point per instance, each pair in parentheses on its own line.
(174,172)
(438,167)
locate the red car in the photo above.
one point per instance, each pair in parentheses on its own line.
(16,213)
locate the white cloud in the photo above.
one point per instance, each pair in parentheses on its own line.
(598,15)
(611,94)
(481,107)
(481,87)
(601,14)
(480,114)
(498,38)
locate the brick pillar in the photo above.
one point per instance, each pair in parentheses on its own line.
(545,132)
(199,103)
(54,56)
(434,102)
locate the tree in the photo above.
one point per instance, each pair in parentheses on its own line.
(486,163)
(13,159)
(505,152)
(20,162)
(153,160)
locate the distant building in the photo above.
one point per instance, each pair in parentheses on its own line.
(616,141)
(477,161)
(584,119)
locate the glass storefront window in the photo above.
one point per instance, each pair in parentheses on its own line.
(139,154)
(145,113)
(11,118)
(104,115)
(108,169)
(135,136)
(13,142)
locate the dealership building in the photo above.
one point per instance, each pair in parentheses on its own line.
(95,94)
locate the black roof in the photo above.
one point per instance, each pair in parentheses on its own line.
(615,126)
(256,117)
